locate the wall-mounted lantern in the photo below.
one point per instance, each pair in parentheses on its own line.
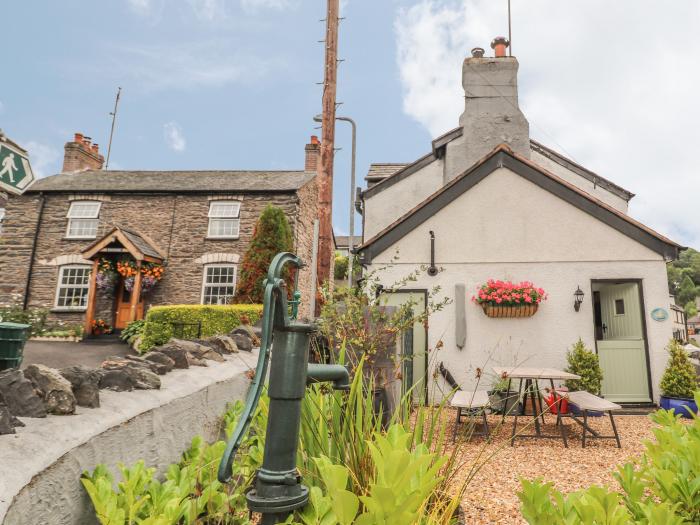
(578,298)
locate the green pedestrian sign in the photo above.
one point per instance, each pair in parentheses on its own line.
(15,172)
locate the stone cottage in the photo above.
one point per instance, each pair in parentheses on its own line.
(195,224)
(488,202)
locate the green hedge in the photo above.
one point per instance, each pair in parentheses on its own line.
(215,320)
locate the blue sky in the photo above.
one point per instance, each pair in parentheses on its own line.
(216,84)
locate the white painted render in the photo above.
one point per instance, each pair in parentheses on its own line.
(599,192)
(508,228)
(395,200)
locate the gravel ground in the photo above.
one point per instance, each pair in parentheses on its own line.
(491,495)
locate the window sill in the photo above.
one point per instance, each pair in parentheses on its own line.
(79,238)
(207,238)
(64,310)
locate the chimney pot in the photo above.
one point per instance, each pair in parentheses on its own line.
(81,155)
(478,52)
(499,45)
(78,138)
(314,139)
(95,147)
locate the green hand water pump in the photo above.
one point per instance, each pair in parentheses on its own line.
(277,489)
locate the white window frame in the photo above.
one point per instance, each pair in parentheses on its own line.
(2,217)
(60,286)
(205,283)
(92,217)
(214,218)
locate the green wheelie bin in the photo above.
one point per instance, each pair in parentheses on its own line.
(12,339)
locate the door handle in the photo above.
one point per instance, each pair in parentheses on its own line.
(605,327)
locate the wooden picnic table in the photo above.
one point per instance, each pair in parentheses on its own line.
(531,377)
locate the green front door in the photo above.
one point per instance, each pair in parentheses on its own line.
(621,341)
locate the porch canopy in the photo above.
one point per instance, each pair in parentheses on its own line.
(119,241)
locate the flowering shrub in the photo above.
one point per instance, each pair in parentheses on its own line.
(506,293)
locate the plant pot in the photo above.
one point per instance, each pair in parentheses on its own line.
(504,402)
(680,406)
(520,310)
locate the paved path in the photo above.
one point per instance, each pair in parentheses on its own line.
(58,355)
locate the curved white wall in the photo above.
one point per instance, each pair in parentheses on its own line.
(41,464)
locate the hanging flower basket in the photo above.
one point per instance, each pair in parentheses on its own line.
(507,299)
(151,274)
(522,310)
(106,278)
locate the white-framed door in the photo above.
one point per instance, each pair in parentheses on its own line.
(621,340)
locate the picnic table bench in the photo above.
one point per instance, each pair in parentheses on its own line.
(472,403)
(588,402)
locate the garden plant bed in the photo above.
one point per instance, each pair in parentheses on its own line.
(491,497)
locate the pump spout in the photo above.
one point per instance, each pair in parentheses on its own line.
(338,374)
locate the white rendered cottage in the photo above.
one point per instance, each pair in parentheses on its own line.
(490,203)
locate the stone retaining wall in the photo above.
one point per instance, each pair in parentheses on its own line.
(40,466)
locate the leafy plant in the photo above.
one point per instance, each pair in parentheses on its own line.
(341,265)
(133,330)
(585,363)
(215,319)
(507,293)
(679,379)
(663,488)
(36,318)
(272,235)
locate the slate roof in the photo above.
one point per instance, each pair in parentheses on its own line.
(503,156)
(113,181)
(381,170)
(142,244)
(342,241)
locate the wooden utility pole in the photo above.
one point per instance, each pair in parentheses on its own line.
(325,176)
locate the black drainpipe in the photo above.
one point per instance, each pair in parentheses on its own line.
(42,201)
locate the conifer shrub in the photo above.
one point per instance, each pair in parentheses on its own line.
(272,235)
(679,379)
(585,363)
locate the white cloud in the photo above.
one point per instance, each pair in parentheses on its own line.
(190,65)
(610,83)
(174,137)
(44,159)
(277,5)
(142,7)
(209,10)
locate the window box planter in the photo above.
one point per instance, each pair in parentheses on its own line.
(520,310)
(680,406)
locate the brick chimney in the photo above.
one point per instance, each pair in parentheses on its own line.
(491,115)
(313,154)
(82,155)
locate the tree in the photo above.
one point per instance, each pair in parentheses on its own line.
(687,265)
(271,236)
(679,379)
(584,362)
(687,291)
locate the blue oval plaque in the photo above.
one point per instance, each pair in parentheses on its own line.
(659,314)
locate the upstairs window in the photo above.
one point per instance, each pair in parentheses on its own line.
(83,219)
(219,284)
(224,219)
(73,286)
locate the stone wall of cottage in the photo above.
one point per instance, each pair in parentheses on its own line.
(176,223)
(306,213)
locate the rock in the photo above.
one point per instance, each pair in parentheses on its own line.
(242,340)
(161,359)
(196,350)
(117,380)
(140,372)
(8,422)
(253,332)
(223,344)
(194,361)
(177,354)
(153,366)
(20,395)
(56,389)
(85,383)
